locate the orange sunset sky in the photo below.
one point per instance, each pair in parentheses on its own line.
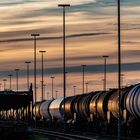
(91,30)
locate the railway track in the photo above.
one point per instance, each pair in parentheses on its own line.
(103,136)
(54,135)
(62,136)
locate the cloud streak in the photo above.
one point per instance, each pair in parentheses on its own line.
(91,33)
(92,69)
(53,38)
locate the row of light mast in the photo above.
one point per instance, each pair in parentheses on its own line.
(64,69)
(84,84)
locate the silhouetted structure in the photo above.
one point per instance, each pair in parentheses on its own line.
(28,62)
(42,82)
(86,87)
(35,35)
(119,68)
(105,57)
(4,83)
(52,85)
(10,75)
(17,70)
(83,70)
(64,63)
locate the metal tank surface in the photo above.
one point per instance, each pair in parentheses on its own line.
(76,103)
(69,103)
(36,109)
(93,103)
(55,109)
(113,106)
(102,103)
(84,105)
(133,101)
(44,109)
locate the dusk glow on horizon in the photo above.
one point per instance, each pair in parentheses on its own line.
(91,32)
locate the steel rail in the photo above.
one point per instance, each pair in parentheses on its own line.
(61,135)
(105,136)
(76,135)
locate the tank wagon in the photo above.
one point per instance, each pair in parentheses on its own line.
(99,109)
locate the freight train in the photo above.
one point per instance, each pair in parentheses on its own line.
(97,110)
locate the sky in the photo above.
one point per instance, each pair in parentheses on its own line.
(91,32)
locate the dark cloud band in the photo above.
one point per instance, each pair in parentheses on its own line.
(53,38)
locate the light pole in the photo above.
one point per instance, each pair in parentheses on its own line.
(122,77)
(52,85)
(28,62)
(74,88)
(0,86)
(44,91)
(4,80)
(48,95)
(56,93)
(17,70)
(42,52)
(119,68)
(103,83)
(64,76)
(86,87)
(105,57)
(35,35)
(10,75)
(83,69)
